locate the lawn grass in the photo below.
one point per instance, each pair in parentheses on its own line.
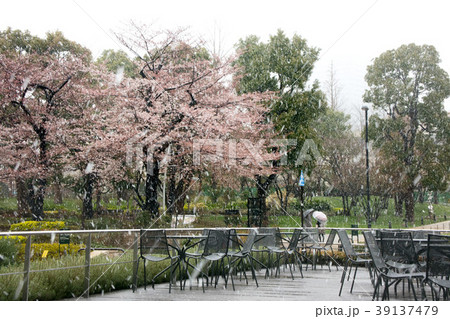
(71,214)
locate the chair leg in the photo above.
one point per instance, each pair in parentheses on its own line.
(135,278)
(376,291)
(299,262)
(253,269)
(349,271)
(145,276)
(386,289)
(412,287)
(343,277)
(354,276)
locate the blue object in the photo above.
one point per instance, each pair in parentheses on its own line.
(301,182)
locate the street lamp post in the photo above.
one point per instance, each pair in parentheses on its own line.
(369,221)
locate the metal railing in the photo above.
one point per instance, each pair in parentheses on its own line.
(133,247)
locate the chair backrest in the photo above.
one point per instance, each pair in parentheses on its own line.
(154,242)
(438,256)
(249,242)
(421,234)
(398,246)
(346,244)
(293,243)
(217,241)
(233,241)
(312,236)
(268,237)
(375,252)
(330,239)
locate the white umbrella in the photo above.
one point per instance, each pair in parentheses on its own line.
(321,217)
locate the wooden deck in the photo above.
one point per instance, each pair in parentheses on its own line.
(317,285)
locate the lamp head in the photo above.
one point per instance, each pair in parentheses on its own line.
(365,108)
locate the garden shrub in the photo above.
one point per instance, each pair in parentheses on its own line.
(8,251)
(317,204)
(35,225)
(18,239)
(53,250)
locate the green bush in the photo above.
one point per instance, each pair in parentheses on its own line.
(318,204)
(18,239)
(34,225)
(8,251)
(54,250)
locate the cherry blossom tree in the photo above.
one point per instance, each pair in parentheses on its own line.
(184,105)
(37,94)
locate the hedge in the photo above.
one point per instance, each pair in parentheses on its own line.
(53,250)
(35,225)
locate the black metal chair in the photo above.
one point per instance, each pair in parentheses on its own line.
(239,259)
(154,247)
(352,259)
(384,273)
(293,248)
(278,249)
(420,238)
(270,241)
(266,237)
(397,249)
(438,266)
(310,243)
(215,251)
(327,248)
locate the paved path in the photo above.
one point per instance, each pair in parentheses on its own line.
(437,226)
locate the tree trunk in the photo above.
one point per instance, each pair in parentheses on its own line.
(22,194)
(398,202)
(385,202)
(89,181)
(345,205)
(177,193)
(36,192)
(435,197)
(409,205)
(152,182)
(57,191)
(98,201)
(171,196)
(421,197)
(262,192)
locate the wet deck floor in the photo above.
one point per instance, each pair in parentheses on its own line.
(319,284)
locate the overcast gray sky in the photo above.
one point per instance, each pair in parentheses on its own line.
(349,33)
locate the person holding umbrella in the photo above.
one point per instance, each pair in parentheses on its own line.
(321,222)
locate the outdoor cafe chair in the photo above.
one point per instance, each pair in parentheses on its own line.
(352,258)
(293,248)
(327,248)
(310,243)
(215,251)
(240,259)
(397,249)
(265,237)
(384,274)
(154,247)
(438,266)
(270,241)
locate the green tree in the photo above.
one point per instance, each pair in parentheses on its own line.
(408,87)
(284,66)
(115,60)
(54,43)
(341,164)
